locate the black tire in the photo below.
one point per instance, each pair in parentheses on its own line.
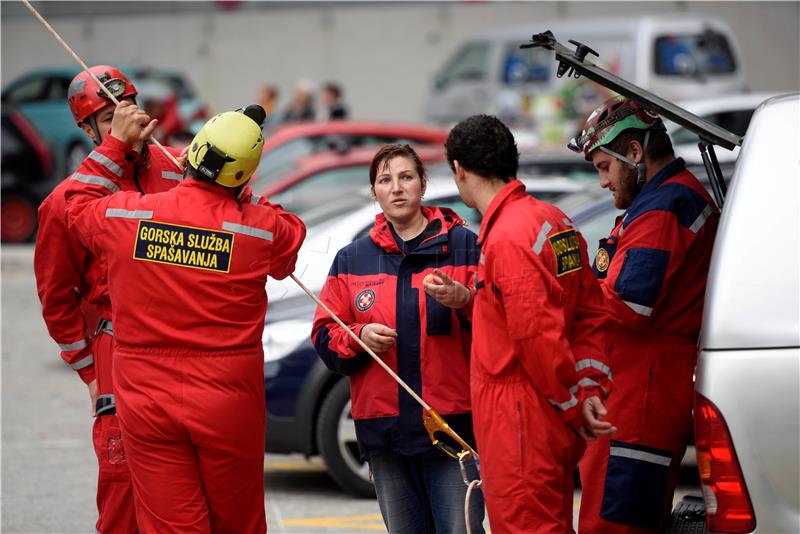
(339,448)
(689,516)
(18,214)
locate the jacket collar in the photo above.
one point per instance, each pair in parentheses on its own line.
(440,221)
(667,171)
(513,190)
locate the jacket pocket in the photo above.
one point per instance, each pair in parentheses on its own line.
(439,318)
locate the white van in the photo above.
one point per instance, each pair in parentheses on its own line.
(675,57)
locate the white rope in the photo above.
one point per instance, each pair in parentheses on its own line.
(86,68)
(473,484)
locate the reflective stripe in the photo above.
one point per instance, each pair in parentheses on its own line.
(128,214)
(566,221)
(701,219)
(80,344)
(542,237)
(640,455)
(580,365)
(255,199)
(83,362)
(564,406)
(96,180)
(638,308)
(167,175)
(105,403)
(247,230)
(582,383)
(105,162)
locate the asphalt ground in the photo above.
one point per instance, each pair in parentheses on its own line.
(48,465)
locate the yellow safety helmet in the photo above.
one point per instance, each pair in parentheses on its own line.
(227,148)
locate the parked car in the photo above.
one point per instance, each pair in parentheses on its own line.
(26,166)
(674,56)
(732,112)
(308,407)
(41,97)
(747,403)
(292,142)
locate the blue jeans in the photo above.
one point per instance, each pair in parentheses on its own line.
(424,494)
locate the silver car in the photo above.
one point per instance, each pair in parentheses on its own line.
(747,392)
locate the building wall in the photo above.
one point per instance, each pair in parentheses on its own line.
(384,54)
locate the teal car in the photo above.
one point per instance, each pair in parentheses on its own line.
(41,97)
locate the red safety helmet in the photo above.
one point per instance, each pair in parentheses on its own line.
(85,96)
(613,117)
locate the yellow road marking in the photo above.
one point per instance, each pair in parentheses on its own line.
(361,522)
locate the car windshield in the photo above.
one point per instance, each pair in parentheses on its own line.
(694,55)
(324,187)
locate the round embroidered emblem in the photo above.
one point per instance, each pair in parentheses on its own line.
(365,300)
(601,260)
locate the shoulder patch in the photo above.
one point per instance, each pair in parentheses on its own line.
(567,249)
(184,246)
(602,260)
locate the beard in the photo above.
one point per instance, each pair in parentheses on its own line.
(626,191)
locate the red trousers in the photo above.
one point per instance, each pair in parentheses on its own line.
(527,457)
(194,433)
(115,501)
(628,481)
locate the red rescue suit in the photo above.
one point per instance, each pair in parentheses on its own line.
(538,351)
(652,269)
(68,278)
(187,270)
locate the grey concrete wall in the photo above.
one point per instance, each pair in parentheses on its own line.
(383,54)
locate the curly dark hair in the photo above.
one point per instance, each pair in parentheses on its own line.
(484,145)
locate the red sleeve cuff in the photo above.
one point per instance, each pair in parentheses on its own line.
(87,374)
(356,328)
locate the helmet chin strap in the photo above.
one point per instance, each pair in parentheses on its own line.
(93,125)
(640,167)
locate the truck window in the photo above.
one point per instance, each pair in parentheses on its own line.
(471,62)
(695,55)
(526,65)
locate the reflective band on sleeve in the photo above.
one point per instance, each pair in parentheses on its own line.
(96,180)
(105,162)
(701,219)
(83,362)
(564,406)
(638,308)
(580,365)
(247,230)
(582,383)
(80,344)
(128,214)
(167,175)
(542,237)
(255,199)
(640,455)
(566,221)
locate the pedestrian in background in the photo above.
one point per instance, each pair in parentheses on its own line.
(268,99)
(652,270)
(188,267)
(376,286)
(333,107)
(538,366)
(301,105)
(70,278)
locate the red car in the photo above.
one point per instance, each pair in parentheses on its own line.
(330,182)
(291,142)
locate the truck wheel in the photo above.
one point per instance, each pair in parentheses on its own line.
(336,439)
(689,516)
